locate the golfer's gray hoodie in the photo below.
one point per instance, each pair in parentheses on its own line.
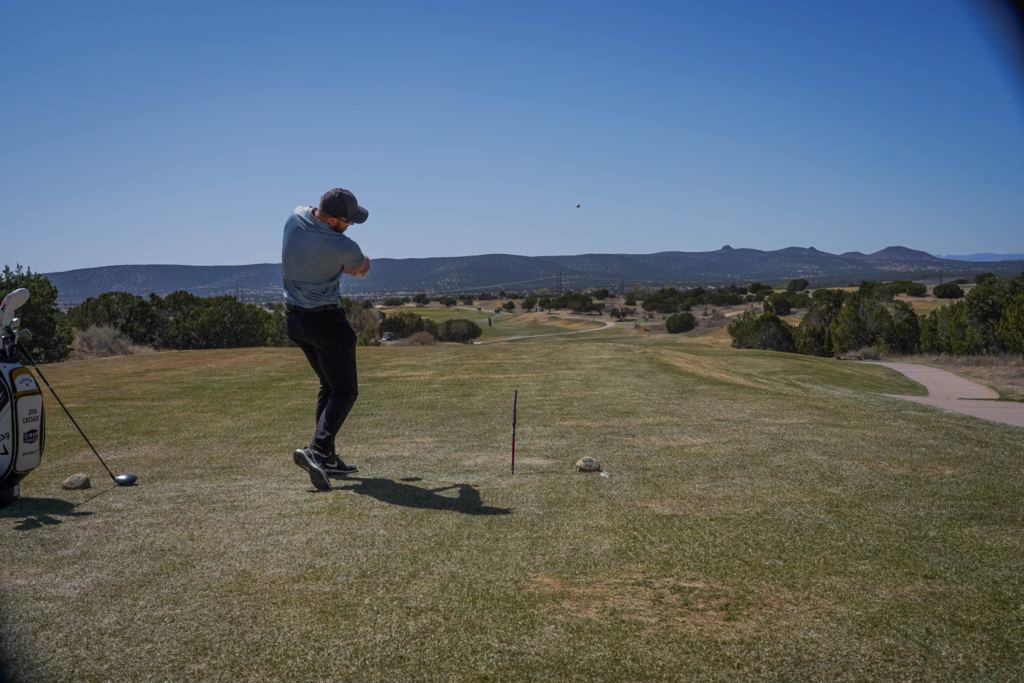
(312,260)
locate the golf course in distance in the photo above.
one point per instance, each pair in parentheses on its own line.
(768,517)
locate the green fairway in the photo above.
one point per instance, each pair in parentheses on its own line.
(768,517)
(504,325)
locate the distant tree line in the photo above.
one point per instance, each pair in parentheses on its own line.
(403,324)
(184,321)
(989,320)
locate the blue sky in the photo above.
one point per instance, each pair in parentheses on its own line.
(187,132)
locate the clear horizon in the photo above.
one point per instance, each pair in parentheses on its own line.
(185,135)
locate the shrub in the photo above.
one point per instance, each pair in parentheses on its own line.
(52,335)
(680,322)
(797,285)
(459,330)
(602,294)
(467,300)
(630,299)
(982,278)
(779,304)
(961,281)
(949,290)
(916,289)
(766,331)
(402,324)
(365,322)
(103,341)
(1011,325)
(812,337)
(447,301)
(529,303)
(393,301)
(509,306)
(136,318)
(422,339)
(869,353)
(421,299)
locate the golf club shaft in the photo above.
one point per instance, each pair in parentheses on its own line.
(33,362)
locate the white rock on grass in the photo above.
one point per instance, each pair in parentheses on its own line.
(77,481)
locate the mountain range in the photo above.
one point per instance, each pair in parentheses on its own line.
(491,272)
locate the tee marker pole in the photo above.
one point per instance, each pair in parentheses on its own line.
(515,400)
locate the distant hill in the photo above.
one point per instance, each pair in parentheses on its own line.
(987,257)
(491,272)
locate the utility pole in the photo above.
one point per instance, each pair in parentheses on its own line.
(239,292)
(622,287)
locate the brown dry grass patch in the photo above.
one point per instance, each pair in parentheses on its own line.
(703,367)
(668,604)
(556,321)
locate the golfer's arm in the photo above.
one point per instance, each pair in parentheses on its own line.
(365,267)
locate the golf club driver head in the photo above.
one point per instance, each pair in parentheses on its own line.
(125,479)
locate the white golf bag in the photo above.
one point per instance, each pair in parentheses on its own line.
(22,420)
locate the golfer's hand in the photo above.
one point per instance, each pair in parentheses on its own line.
(362,271)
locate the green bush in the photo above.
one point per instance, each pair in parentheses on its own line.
(134,317)
(766,332)
(1011,326)
(402,324)
(982,278)
(680,322)
(509,306)
(52,335)
(630,299)
(459,330)
(779,304)
(421,299)
(447,301)
(392,302)
(813,337)
(948,290)
(797,285)
(916,289)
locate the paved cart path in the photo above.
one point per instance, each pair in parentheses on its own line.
(946,390)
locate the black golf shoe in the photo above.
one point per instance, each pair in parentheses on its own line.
(335,467)
(307,460)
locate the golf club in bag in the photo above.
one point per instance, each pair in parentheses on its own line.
(22,418)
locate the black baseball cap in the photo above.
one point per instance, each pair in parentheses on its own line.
(342,204)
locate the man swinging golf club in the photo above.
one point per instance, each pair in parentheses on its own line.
(315,255)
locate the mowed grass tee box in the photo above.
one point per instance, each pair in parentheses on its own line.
(767,517)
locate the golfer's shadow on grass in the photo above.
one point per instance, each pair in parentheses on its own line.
(397,493)
(34,513)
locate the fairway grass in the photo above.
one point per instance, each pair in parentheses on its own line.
(504,325)
(768,517)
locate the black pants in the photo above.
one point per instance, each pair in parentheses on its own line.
(330,347)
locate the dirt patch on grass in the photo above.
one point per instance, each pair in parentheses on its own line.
(667,604)
(702,367)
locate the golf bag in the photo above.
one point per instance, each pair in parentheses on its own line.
(22,420)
